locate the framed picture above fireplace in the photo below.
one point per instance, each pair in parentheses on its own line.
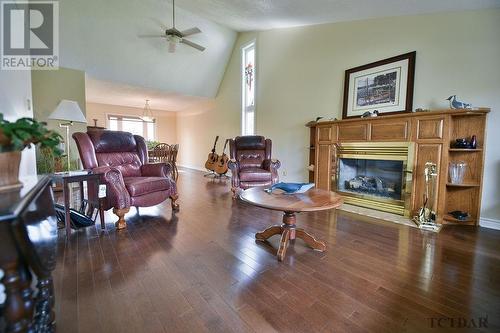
(385,86)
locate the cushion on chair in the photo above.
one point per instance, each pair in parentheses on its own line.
(128,163)
(255,175)
(137,186)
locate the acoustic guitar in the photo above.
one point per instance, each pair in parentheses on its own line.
(212,157)
(221,165)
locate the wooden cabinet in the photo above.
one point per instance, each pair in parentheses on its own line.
(325,133)
(430,128)
(393,131)
(353,132)
(433,133)
(324,165)
(425,152)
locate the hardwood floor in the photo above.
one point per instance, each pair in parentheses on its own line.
(201,270)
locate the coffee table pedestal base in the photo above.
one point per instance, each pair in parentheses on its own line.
(289,231)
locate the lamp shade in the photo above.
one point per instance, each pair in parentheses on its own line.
(68,111)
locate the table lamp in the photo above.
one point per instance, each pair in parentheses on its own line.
(69,112)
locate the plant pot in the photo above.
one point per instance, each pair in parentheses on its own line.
(9,170)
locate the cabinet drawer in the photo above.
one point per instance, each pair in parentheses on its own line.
(325,133)
(397,131)
(428,129)
(357,132)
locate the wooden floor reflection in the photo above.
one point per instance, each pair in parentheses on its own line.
(201,270)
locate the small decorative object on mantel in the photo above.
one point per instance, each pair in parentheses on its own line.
(422,110)
(290,188)
(455,104)
(14,138)
(313,122)
(385,85)
(369,114)
(426,217)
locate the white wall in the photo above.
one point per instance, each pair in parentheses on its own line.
(15,102)
(300,74)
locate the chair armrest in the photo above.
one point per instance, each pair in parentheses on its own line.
(235,177)
(233,165)
(271,164)
(157,170)
(116,192)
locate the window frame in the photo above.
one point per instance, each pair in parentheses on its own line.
(244,110)
(144,124)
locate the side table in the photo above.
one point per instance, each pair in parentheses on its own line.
(66,178)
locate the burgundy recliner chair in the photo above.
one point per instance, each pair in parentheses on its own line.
(251,164)
(121,158)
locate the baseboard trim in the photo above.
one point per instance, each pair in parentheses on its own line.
(190,167)
(489,223)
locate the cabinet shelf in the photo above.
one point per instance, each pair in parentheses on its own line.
(450,218)
(465,149)
(463,185)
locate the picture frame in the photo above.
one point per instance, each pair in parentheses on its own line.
(385,86)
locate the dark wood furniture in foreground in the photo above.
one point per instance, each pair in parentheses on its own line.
(433,133)
(28,236)
(67,178)
(290,204)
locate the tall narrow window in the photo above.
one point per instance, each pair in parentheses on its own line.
(248,89)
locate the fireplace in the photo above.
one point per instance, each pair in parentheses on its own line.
(376,175)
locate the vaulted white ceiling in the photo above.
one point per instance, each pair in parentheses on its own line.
(244,15)
(101,38)
(106,92)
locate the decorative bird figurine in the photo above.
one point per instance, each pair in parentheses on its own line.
(454,104)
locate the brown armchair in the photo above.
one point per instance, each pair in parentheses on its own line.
(251,164)
(121,158)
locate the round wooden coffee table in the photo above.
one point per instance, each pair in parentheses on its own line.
(290,204)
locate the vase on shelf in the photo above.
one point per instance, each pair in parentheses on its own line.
(457,172)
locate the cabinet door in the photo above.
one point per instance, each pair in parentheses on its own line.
(324,134)
(353,132)
(323,166)
(392,131)
(426,153)
(430,128)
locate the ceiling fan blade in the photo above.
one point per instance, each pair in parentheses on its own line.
(190,32)
(196,46)
(151,36)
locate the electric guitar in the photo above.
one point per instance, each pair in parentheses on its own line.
(221,165)
(212,157)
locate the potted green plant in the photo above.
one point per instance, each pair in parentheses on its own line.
(14,138)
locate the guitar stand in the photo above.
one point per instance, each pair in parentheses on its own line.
(215,175)
(222,176)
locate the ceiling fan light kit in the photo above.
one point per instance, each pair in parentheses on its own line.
(174,36)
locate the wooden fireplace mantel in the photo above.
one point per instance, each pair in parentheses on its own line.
(433,132)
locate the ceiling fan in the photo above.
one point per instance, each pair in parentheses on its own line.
(175,37)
